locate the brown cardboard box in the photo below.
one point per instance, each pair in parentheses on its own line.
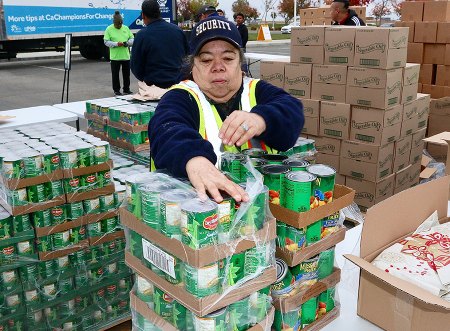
(339,45)
(409,126)
(438,124)
(442,141)
(331,160)
(370,193)
(425,32)
(297,79)
(438,152)
(402,178)
(415,53)
(412,11)
(417,139)
(368,125)
(374,97)
(411,109)
(372,172)
(447,55)
(273,72)
(311,126)
(311,107)
(374,78)
(327,145)
(307,54)
(411,73)
(416,154)
(386,117)
(443,33)
(440,106)
(410,25)
(436,91)
(330,74)
(368,153)
(383,48)
(434,53)
(427,75)
(443,75)
(384,299)
(436,11)
(340,179)
(423,111)
(308,36)
(409,92)
(334,119)
(328,92)
(402,153)
(414,174)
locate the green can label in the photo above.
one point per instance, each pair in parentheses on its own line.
(290,320)
(42,218)
(326,263)
(107,202)
(13,168)
(257,259)
(306,273)
(72,185)
(203,281)
(273,176)
(109,225)
(69,159)
(61,239)
(89,182)
(313,232)
(326,302)
(75,210)
(21,223)
(234,269)
(104,178)
(55,189)
(179,315)
(78,234)
(33,165)
(214,321)
(36,193)
(6,226)
(225,213)
(51,161)
(285,280)
(295,239)
(25,248)
(309,312)
(85,157)
(91,206)
(58,214)
(297,191)
(163,304)
(47,268)
(324,184)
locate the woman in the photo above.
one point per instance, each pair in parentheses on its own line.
(187,133)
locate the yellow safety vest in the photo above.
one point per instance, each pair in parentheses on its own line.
(210,121)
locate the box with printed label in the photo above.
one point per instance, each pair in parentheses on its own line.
(383,48)
(409,126)
(374,97)
(365,152)
(330,74)
(334,119)
(436,11)
(374,78)
(416,154)
(415,53)
(443,75)
(434,53)
(412,11)
(368,171)
(308,36)
(339,45)
(425,32)
(410,25)
(426,74)
(297,79)
(310,107)
(328,92)
(374,126)
(307,54)
(413,108)
(417,139)
(311,126)
(411,74)
(327,145)
(440,107)
(409,92)
(443,33)
(273,72)
(370,193)
(402,177)
(436,91)
(328,159)
(402,153)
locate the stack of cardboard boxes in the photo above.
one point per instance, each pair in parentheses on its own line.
(321,15)
(361,104)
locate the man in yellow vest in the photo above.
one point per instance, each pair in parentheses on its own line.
(218,109)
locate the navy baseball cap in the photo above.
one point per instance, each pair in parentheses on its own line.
(214,28)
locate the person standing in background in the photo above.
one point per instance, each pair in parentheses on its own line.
(206,11)
(242,28)
(342,15)
(159,49)
(220,12)
(118,38)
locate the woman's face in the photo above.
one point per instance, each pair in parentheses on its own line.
(217,70)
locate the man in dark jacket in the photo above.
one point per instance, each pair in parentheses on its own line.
(158,49)
(242,28)
(342,15)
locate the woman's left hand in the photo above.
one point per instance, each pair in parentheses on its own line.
(241,126)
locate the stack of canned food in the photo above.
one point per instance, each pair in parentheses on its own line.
(133,114)
(101,107)
(240,315)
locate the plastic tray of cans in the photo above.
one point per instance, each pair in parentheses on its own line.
(156,310)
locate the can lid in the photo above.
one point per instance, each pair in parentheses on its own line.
(100,143)
(274,169)
(274,157)
(177,195)
(198,206)
(321,170)
(157,187)
(216,313)
(301,176)
(282,269)
(254,152)
(257,161)
(232,156)
(296,163)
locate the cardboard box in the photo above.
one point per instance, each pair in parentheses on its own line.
(328,92)
(384,299)
(330,74)
(311,108)
(409,126)
(436,11)
(368,153)
(415,53)
(383,48)
(416,154)
(440,106)
(438,152)
(443,33)
(412,11)
(374,78)
(30,207)
(414,174)
(441,140)
(425,32)
(311,126)
(308,36)
(443,75)
(382,117)
(436,91)
(411,74)
(447,55)
(410,25)
(340,179)
(438,124)
(427,74)
(367,126)
(334,119)
(402,153)
(273,72)
(372,172)
(417,139)
(339,45)
(409,92)
(370,193)
(434,53)
(327,145)
(328,159)
(15,184)
(297,79)
(307,54)
(373,97)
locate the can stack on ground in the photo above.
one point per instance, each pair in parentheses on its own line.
(66,256)
(211,258)
(361,104)
(322,15)
(122,123)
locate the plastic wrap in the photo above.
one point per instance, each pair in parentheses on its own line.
(439,166)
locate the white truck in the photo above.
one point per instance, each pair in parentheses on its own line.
(41,25)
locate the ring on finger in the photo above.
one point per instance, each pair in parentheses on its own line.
(245,127)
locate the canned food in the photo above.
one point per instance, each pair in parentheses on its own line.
(144,289)
(110,247)
(253,214)
(232,164)
(290,320)
(25,248)
(102,152)
(217,320)
(10,279)
(203,281)
(104,178)
(85,155)
(330,224)
(8,253)
(326,263)
(170,205)
(13,167)
(67,308)
(109,225)
(163,304)
(111,291)
(72,185)
(295,238)
(259,305)
(179,271)
(306,273)
(42,218)
(296,165)
(199,223)
(36,318)
(136,245)
(89,182)
(13,302)
(6,225)
(225,211)
(179,315)
(54,189)
(91,206)
(309,312)
(273,177)
(50,158)
(297,191)
(32,162)
(61,239)
(285,281)
(257,259)
(150,201)
(81,280)
(313,232)
(49,291)
(120,196)
(326,301)
(240,314)
(74,210)
(36,193)
(69,157)
(324,184)
(58,214)
(234,269)
(17,197)
(65,285)
(63,263)
(107,202)
(254,152)
(125,285)
(29,273)
(274,158)
(47,269)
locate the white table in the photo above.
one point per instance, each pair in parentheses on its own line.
(78,107)
(253,58)
(35,115)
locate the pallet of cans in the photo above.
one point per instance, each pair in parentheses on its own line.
(203,253)
(154,309)
(98,110)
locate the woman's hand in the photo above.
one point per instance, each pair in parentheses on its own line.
(204,176)
(241,126)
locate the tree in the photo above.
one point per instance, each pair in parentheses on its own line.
(267,6)
(286,8)
(184,10)
(242,6)
(353,2)
(380,9)
(397,7)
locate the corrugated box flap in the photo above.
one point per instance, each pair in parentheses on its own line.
(403,213)
(400,284)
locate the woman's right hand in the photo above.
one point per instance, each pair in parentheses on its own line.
(204,176)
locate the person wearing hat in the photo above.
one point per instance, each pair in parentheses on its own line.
(158,50)
(342,15)
(219,109)
(206,11)
(118,38)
